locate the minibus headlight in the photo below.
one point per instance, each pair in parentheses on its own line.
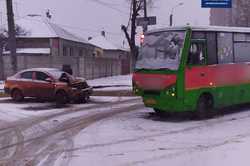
(171,91)
(136,90)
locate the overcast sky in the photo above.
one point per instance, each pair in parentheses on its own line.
(88,17)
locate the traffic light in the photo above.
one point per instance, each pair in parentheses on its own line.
(142,38)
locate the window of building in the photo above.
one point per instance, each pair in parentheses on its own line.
(70,51)
(64,51)
(80,52)
(225,45)
(26,75)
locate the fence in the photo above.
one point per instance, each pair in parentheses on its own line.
(88,67)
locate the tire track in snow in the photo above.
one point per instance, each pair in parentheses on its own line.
(207,123)
(73,124)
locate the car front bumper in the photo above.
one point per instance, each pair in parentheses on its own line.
(76,93)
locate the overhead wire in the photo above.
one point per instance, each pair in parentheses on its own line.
(109,5)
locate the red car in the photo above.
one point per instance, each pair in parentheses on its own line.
(47,83)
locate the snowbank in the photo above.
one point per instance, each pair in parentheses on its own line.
(1,86)
(122,82)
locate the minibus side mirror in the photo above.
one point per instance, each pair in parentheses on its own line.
(189,67)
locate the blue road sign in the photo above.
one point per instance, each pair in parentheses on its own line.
(216,3)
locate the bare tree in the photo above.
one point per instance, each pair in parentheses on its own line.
(19,31)
(137,6)
(2,42)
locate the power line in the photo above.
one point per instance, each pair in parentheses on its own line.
(109,5)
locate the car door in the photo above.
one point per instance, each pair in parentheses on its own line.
(25,83)
(43,85)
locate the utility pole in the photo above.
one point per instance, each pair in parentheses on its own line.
(12,35)
(2,40)
(171,20)
(133,25)
(145,26)
(136,7)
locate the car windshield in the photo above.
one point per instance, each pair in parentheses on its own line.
(58,73)
(161,50)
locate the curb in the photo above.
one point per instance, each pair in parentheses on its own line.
(113,93)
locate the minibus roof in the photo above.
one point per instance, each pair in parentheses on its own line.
(203,28)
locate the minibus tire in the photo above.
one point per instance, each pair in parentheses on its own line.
(161,113)
(204,107)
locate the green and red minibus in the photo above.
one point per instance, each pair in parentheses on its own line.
(193,69)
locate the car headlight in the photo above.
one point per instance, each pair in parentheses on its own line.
(73,88)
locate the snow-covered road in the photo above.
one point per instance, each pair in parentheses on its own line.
(141,138)
(118,131)
(39,134)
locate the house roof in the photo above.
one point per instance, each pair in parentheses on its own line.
(39,27)
(103,43)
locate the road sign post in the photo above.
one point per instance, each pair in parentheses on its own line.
(142,21)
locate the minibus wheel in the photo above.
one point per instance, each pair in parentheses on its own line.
(161,113)
(204,107)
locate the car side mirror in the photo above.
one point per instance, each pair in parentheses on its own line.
(49,80)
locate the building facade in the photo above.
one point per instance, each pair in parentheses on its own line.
(109,50)
(48,45)
(238,15)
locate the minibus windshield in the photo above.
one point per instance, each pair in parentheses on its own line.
(161,50)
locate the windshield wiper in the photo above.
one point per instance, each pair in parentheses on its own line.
(164,69)
(141,69)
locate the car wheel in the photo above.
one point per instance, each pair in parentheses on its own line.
(82,99)
(61,98)
(17,95)
(86,98)
(204,107)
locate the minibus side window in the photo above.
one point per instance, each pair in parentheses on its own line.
(211,48)
(197,54)
(241,47)
(225,47)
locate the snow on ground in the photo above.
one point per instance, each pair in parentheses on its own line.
(11,111)
(1,85)
(122,82)
(137,138)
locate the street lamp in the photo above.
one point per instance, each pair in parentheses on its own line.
(172,11)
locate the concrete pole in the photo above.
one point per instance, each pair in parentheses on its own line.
(12,35)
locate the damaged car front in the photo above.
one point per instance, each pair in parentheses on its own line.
(70,88)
